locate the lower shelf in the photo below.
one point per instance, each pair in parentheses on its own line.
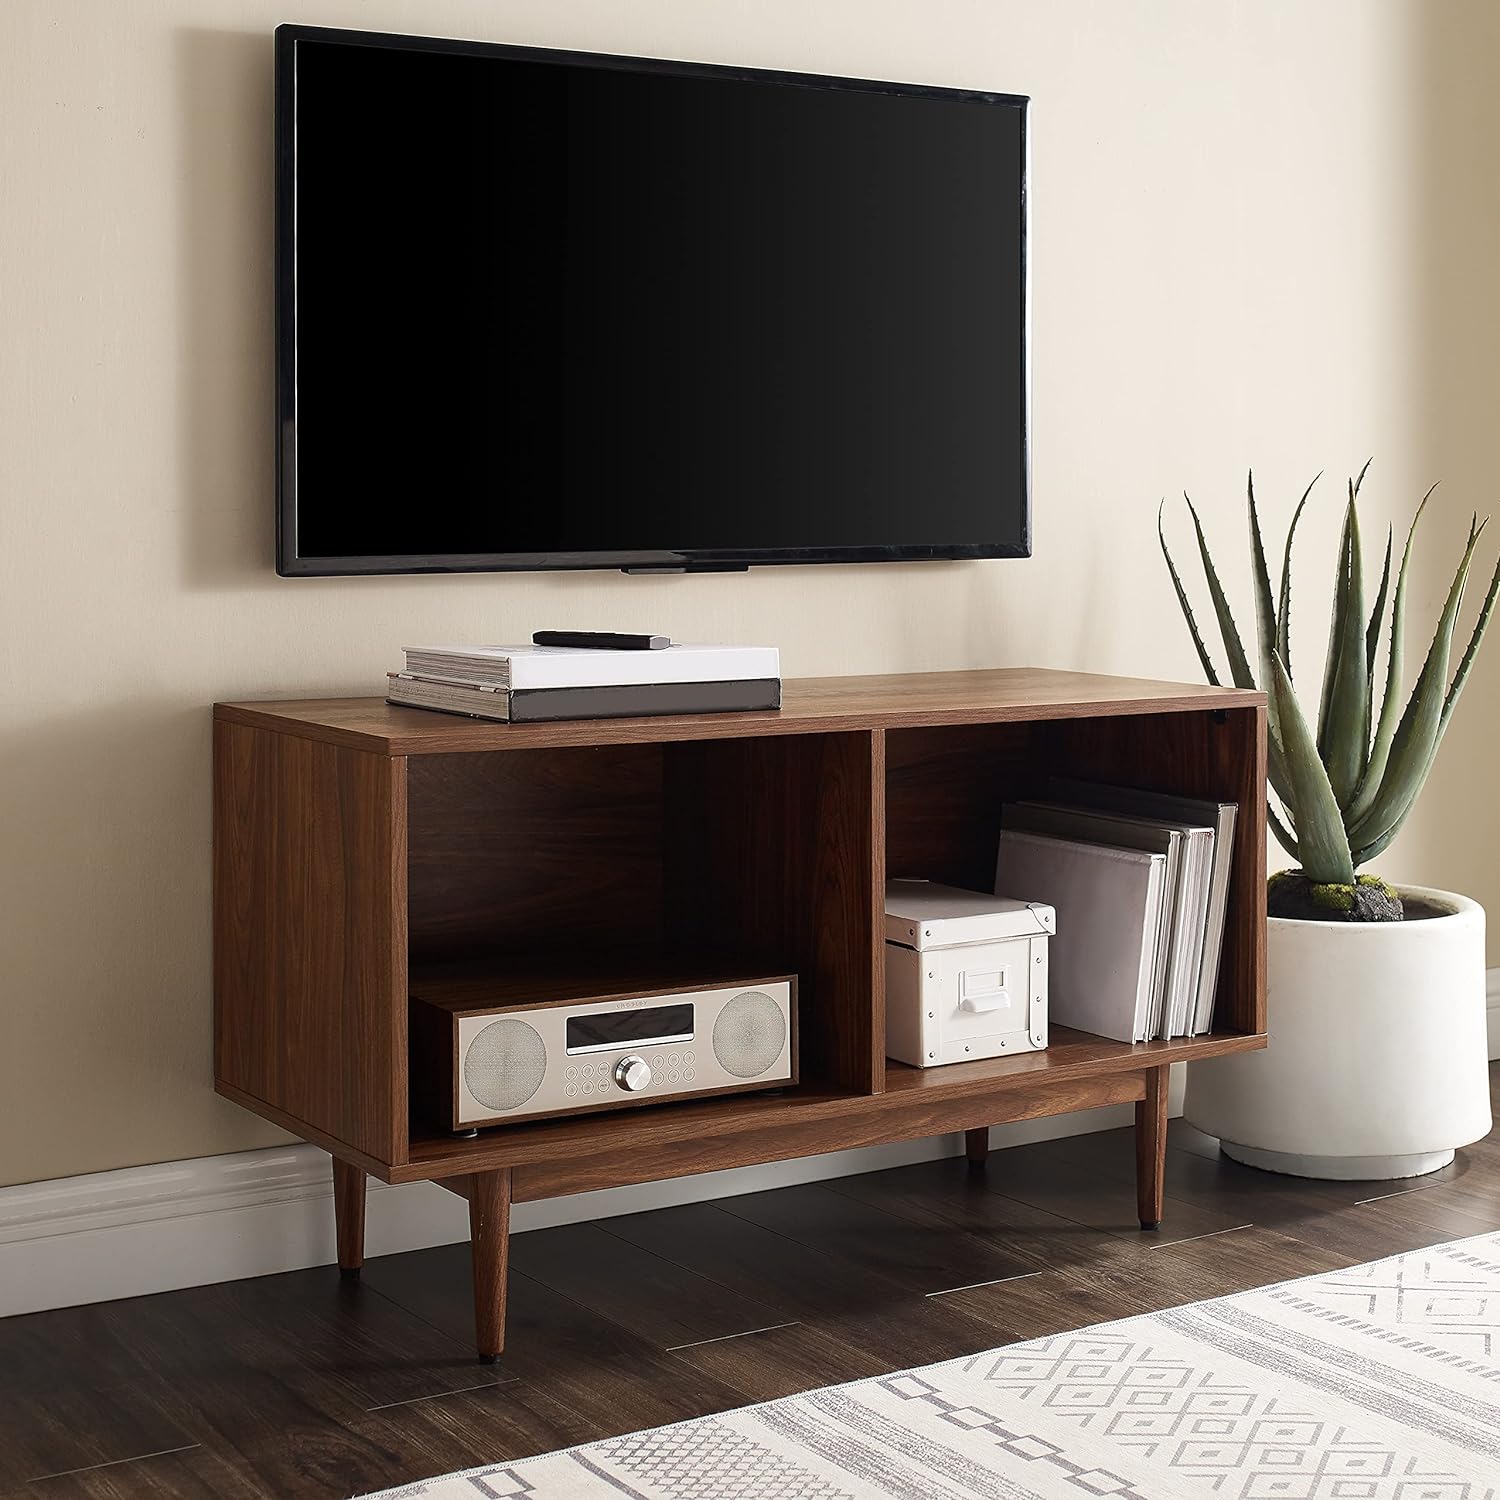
(1069,1054)
(554,1157)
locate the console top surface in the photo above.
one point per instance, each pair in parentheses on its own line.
(812,705)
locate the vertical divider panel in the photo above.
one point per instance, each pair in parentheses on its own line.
(775,849)
(877,905)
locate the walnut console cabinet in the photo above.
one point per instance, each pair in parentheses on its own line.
(357,845)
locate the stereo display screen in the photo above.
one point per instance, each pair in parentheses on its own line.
(630,1028)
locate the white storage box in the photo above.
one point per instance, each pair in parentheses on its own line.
(965,974)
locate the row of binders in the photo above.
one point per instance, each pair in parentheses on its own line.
(1140,884)
(536,684)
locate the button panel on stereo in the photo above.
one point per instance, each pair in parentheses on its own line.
(593,1078)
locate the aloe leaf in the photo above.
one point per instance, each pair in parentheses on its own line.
(1348,742)
(1472,650)
(1239,664)
(1265,635)
(1182,599)
(1284,609)
(1276,772)
(1284,836)
(1335,633)
(1377,846)
(1372,641)
(1322,846)
(1265,607)
(1377,613)
(1360,481)
(1385,729)
(1417,735)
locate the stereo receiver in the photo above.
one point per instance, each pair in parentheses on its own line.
(528,1051)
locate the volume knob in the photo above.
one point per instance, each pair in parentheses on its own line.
(632,1074)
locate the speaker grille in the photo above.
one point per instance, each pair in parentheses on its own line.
(749,1034)
(505,1064)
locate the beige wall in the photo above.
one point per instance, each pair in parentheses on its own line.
(1264,232)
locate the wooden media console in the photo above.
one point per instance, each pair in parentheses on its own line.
(357,845)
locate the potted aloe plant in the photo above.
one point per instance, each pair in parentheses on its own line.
(1376,1062)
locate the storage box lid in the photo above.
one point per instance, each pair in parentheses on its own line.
(921,914)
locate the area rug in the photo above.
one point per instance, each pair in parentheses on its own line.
(1381,1382)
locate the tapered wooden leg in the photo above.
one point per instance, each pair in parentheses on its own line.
(349,1217)
(977,1145)
(489,1234)
(1151,1148)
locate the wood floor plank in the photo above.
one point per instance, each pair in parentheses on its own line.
(189,1474)
(1476,1194)
(1095,1194)
(847,1315)
(791,1279)
(73,1395)
(658,1300)
(306,1327)
(947,1194)
(918,1256)
(509,1421)
(1178,1272)
(468,1430)
(278,1376)
(1390,1226)
(785,1361)
(587,1362)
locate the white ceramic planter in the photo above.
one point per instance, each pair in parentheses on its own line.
(1376,1064)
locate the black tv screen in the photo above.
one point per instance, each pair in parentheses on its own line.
(551,310)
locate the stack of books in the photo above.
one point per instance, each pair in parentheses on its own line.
(1140,883)
(534,684)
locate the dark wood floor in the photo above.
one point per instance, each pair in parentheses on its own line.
(300,1385)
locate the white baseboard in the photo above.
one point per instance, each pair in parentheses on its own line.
(1492,1013)
(223,1218)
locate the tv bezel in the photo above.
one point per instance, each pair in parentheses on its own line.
(291,563)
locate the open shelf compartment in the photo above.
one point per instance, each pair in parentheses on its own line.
(695,860)
(945,787)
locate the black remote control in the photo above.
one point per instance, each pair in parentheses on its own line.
(600,640)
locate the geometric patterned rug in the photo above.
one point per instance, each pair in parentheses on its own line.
(1380,1382)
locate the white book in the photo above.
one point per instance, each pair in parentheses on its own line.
(528,667)
(1108,902)
(1221,817)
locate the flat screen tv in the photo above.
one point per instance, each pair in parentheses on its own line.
(544,309)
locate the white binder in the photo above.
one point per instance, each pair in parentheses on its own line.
(1190,851)
(1109,903)
(1220,816)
